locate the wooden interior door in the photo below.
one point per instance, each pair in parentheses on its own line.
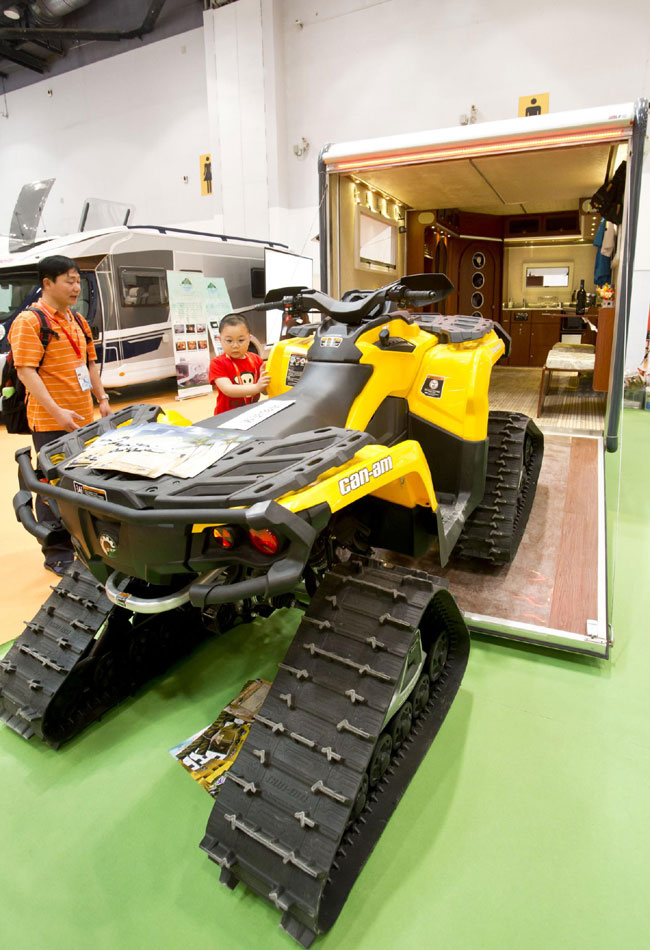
(478,278)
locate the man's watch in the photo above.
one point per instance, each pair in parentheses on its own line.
(102,398)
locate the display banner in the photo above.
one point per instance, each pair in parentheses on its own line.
(194,302)
(217,305)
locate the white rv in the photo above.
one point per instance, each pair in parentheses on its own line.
(124,289)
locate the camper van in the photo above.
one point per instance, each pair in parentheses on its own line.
(124,292)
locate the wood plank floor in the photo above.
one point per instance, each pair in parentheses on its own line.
(571,404)
(553,580)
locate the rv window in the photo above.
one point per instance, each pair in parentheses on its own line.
(14,289)
(143,287)
(554,276)
(377,240)
(83,300)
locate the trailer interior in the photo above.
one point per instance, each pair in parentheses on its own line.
(504,210)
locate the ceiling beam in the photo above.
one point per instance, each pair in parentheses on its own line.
(7,51)
(33,33)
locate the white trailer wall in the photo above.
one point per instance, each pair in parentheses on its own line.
(125,129)
(264,74)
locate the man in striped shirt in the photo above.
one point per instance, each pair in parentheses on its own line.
(58,378)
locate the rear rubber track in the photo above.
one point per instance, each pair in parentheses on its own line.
(282,821)
(495,528)
(81,655)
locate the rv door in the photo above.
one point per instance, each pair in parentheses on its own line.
(142,336)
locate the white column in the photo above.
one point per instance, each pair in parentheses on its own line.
(241,75)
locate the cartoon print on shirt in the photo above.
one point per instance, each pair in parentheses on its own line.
(247,378)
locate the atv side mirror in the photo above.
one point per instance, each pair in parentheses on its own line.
(439,284)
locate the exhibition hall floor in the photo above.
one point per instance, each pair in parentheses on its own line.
(526,826)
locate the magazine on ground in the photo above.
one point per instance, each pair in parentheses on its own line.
(154,449)
(207,755)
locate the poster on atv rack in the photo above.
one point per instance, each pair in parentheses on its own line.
(187,310)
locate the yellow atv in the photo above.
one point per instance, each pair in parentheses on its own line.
(376,434)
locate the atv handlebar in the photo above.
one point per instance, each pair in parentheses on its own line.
(418,290)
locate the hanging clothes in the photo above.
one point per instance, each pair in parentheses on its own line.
(602,264)
(609,240)
(609,197)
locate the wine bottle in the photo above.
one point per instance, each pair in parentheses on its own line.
(581,299)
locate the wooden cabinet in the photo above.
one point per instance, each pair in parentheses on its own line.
(534,333)
(520,334)
(545,332)
(604,340)
(551,224)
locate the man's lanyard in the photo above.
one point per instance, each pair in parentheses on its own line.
(71,339)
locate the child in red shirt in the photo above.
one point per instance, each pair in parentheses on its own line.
(237,376)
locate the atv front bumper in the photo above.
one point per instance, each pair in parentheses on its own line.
(154,529)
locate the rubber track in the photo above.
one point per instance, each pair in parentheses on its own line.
(495,528)
(281,821)
(51,646)
(81,655)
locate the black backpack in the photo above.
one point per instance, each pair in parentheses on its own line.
(14,405)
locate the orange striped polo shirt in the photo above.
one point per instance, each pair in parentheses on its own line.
(58,367)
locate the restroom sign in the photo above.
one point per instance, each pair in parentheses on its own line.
(533,105)
(205,174)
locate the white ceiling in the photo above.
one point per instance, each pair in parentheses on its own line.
(523,182)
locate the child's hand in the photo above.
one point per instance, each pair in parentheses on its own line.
(263,381)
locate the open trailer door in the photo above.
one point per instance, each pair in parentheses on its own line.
(555,592)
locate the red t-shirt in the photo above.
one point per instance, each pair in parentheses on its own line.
(245,370)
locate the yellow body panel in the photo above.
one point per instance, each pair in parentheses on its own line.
(462,368)
(173,418)
(399,474)
(465,369)
(277,365)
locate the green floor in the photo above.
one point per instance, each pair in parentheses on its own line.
(526,827)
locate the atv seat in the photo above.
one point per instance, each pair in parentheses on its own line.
(322,396)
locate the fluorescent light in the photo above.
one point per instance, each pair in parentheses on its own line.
(12,13)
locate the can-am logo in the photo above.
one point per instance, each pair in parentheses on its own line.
(363,475)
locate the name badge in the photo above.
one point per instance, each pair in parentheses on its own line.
(84,377)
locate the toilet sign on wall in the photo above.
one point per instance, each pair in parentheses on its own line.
(205,174)
(533,105)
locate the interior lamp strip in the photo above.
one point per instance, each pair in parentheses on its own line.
(576,138)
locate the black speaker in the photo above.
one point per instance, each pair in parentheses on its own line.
(258,284)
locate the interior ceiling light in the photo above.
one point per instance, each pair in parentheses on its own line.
(12,13)
(490,148)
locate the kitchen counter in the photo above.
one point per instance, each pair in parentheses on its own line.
(566,310)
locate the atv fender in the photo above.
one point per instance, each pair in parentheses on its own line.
(398,474)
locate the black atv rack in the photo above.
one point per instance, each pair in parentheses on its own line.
(461,328)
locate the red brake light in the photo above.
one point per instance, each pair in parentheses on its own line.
(223,537)
(264,540)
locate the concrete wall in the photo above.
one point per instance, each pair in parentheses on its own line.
(126,129)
